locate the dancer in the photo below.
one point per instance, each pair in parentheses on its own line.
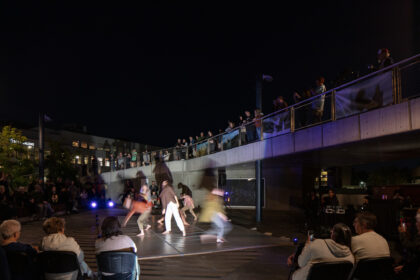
(188,205)
(213,212)
(144,207)
(170,206)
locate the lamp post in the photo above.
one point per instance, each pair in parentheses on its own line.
(258,163)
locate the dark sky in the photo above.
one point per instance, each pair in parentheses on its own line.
(153,74)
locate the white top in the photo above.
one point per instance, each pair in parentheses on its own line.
(114,243)
(369,245)
(321,250)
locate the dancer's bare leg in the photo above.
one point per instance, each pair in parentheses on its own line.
(131,213)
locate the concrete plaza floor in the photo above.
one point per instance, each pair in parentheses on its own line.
(247,254)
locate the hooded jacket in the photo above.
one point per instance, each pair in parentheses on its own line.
(321,250)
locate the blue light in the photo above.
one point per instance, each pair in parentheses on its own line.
(110,204)
(295,240)
(93,204)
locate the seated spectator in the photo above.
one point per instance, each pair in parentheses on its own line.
(367,243)
(410,240)
(331,200)
(113,239)
(10,232)
(335,249)
(56,240)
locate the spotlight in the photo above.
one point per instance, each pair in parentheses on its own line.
(295,240)
(93,204)
(110,204)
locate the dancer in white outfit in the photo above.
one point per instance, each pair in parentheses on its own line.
(170,207)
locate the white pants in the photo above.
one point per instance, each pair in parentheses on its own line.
(173,209)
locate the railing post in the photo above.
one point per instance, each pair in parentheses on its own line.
(292,119)
(240,136)
(208,146)
(396,85)
(333,116)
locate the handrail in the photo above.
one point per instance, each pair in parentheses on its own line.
(289,108)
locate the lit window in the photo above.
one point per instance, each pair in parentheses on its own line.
(84,145)
(91,147)
(107,162)
(100,149)
(100,161)
(86,160)
(77,159)
(75,144)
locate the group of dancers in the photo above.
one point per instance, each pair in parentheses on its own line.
(212,212)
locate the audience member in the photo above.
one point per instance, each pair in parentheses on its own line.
(367,243)
(318,103)
(384,58)
(231,126)
(335,249)
(331,200)
(56,240)
(242,130)
(212,142)
(112,239)
(10,232)
(258,122)
(250,127)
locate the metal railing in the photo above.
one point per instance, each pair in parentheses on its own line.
(391,85)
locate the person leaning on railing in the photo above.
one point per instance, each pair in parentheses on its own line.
(318,103)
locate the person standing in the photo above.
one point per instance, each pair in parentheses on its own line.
(170,207)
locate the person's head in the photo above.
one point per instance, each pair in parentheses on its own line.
(179,140)
(144,189)
(191,138)
(110,227)
(247,113)
(331,193)
(10,230)
(231,124)
(341,234)
(209,133)
(54,225)
(320,81)
(153,182)
(184,140)
(383,53)
(364,222)
(257,112)
(280,99)
(202,134)
(241,118)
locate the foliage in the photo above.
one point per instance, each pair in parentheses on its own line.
(59,162)
(14,156)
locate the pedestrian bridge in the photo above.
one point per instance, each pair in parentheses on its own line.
(382,104)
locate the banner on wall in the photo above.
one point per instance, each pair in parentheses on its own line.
(373,93)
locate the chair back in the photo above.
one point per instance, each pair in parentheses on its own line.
(330,271)
(59,265)
(374,268)
(121,264)
(21,266)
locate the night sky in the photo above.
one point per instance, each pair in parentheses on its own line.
(153,74)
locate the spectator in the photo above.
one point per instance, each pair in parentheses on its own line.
(212,142)
(56,240)
(384,58)
(202,137)
(146,158)
(120,161)
(258,122)
(411,244)
(10,232)
(166,155)
(231,126)
(250,127)
(242,130)
(368,244)
(112,239)
(184,148)
(318,103)
(331,200)
(191,147)
(178,148)
(279,104)
(280,118)
(53,196)
(133,162)
(335,249)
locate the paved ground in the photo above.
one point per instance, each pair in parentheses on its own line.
(247,254)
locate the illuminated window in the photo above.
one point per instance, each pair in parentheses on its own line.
(107,162)
(100,161)
(91,147)
(84,145)
(75,144)
(86,160)
(77,159)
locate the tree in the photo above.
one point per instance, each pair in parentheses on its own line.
(14,156)
(59,162)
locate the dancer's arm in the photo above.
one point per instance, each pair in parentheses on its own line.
(177,203)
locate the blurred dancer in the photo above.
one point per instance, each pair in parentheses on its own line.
(188,205)
(213,212)
(170,206)
(143,206)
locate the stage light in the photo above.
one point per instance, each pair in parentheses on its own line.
(110,204)
(93,204)
(295,240)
